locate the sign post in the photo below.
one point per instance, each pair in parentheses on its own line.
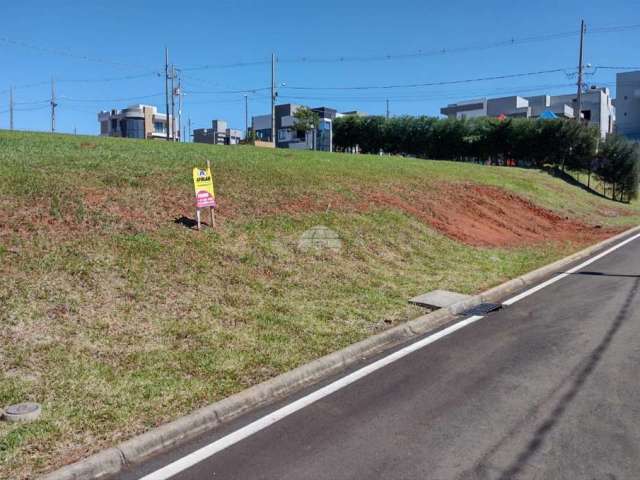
(205,195)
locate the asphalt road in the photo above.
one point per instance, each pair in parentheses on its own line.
(547,388)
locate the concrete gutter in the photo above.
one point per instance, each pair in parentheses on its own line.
(111,461)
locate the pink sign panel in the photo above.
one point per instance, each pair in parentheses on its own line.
(204,199)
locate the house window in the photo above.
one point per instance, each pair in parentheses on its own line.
(158,127)
(134,128)
(284,134)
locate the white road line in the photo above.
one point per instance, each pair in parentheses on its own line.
(264,422)
(211,449)
(560,276)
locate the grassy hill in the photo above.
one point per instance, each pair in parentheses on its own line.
(117,316)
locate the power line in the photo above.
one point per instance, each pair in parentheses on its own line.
(603,67)
(431,52)
(419,53)
(84,80)
(154,73)
(433,84)
(396,56)
(29,85)
(32,102)
(433,95)
(228,65)
(32,109)
(63,53)
(224,92)
(101,100)
(614,29)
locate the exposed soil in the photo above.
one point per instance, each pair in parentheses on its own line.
(474,214)
(489,216)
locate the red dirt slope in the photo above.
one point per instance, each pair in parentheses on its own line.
(474,214)
(490,216)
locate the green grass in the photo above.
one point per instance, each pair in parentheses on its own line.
(117,319)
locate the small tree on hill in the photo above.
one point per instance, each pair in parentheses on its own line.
(306,120)
(619,166)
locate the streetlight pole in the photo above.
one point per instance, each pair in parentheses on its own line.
(166,88)
(580,71)
(246,117)
(273,98)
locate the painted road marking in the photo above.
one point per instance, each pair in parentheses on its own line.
(211,449)
(560,276)
(208,450)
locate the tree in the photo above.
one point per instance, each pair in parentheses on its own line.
(372,134)
(346,132)
(619,165)
(306,120)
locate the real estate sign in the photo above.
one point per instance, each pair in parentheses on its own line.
(203,183)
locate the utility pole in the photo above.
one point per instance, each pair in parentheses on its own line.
(246,117)
(173,103)
(179,105)
(53,105)
(11,108)
(580,71)
(189,137)
(387,109)
(273,98)
(166,88)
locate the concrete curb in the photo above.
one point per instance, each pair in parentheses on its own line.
(112,460)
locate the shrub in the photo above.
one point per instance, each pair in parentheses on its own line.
(563,144)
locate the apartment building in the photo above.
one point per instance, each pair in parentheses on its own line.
(628,104)
(137,121)
(597,108)
(218,134)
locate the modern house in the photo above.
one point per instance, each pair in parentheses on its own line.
(137,121)
(628,104)
(288,137)
(597,108)
(218,134)
(352,113)
(261,127)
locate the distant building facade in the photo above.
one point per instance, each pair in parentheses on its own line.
(597,108)
(218,134)
(137,121)
(288,137)
(628,104)
(352,113)
(261,127)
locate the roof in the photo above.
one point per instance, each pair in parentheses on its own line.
(548,115)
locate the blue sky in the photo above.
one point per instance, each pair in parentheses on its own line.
(83,44)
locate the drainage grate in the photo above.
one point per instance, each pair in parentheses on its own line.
(481,309)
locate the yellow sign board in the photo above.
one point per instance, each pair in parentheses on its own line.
(203,183)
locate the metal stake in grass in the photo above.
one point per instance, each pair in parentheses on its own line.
(213,215)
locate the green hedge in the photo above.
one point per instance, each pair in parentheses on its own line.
(563,144)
